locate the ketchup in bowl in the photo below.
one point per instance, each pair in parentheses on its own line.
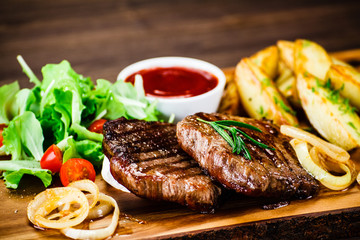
(175,82)
(180,86)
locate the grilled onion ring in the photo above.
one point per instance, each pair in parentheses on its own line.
(101,209)
(311,164)
(97,233)
(64,207)
(58,208)
(88,186)
(335,152)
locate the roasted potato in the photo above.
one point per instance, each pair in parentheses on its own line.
(286,83)
(259,95)
(267,59)
(310,57)
(336,61)
(347,80)
(230,102)
(329,113)
(286,53)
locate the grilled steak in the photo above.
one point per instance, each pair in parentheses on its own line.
(270,173)
(146,158)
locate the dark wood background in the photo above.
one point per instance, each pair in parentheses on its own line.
(99,38)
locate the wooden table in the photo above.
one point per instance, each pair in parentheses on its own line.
(99,38)
(329,215)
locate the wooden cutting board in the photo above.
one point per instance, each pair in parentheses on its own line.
(330,214)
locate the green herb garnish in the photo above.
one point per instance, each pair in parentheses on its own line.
(284,106)
(333,95)
(352,125)
(266,81)
(233,138)
(262,112)
(306,43)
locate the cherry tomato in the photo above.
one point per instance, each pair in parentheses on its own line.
(76,169)
(97,126)
(52,159)
(2,126)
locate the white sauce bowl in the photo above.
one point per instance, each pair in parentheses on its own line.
(182,107)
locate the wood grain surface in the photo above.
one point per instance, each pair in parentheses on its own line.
(99,38)
(330,214)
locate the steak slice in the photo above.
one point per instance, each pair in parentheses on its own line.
(146,158)
(270,173)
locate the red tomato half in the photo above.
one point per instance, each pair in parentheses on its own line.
(2,126)
(97,126)
(76,169)
(52,159)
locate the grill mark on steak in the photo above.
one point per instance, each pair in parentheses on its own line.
(145,145)
(146,158)
(276,174)
(159,162)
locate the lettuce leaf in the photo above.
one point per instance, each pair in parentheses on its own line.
(7,93)
(56,118)
(27,70)
(96,102)
(87,149)
(22,99)
(23,138)
(91,151)
(82,133)
(58,110)
(15,169)
(61,76)
(120,99)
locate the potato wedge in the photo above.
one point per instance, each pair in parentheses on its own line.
(347,79)
(336,61)
(331,116)
(267,59)
(286,53)
(286,83)
(259,95)
(285,80)
(310,57)
(230,101)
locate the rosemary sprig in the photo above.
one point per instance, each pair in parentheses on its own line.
(232,138)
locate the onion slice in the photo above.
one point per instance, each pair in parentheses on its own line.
(65,207)
(333,151)
(88,186)
(97,233)
(310,164)
(58,208)
(102,209)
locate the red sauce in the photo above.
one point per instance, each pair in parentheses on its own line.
(175,82)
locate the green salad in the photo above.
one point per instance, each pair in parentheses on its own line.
(58,110)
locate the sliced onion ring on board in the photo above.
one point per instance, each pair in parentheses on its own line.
(58,208)
(101,209)
(327,179)
(88,186)
(65,207)
(96,233)
(335,152)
